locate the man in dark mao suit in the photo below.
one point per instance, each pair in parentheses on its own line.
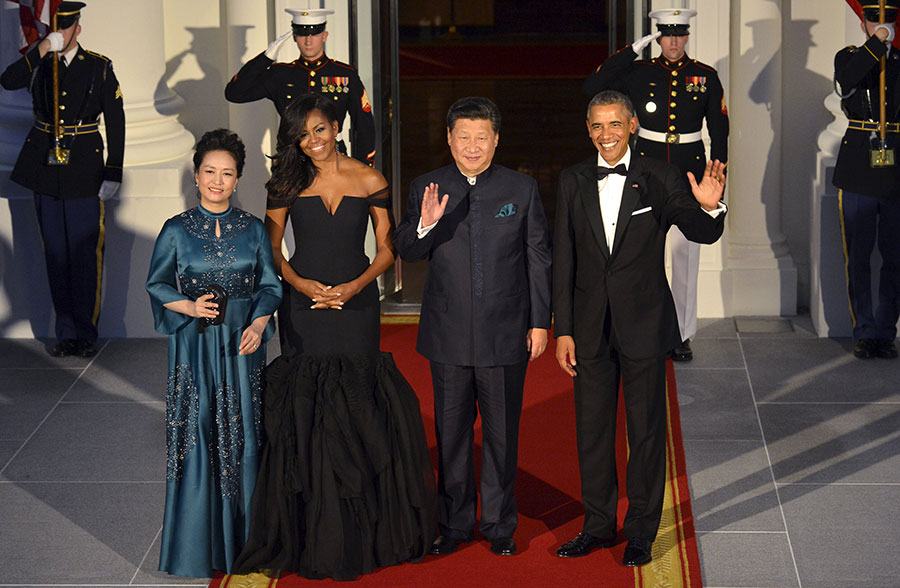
(485,313)
(614,315)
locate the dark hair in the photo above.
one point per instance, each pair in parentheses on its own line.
(220,140)
(474,108)
(292,170)
(607,97)
(890,13)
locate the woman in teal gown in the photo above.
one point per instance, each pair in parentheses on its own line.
(214,396)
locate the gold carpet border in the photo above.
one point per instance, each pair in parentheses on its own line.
(669,566)
(399,319)
(254,580)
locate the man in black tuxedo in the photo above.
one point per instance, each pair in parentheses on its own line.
(485,313)
(614,315)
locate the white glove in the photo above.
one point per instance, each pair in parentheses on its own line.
(56,41)
(108,189)
(272,51)
(889,27)
(642,43)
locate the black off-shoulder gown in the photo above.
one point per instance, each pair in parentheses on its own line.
(345,482)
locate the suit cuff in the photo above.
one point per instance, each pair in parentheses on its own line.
(421,231)
(719,209)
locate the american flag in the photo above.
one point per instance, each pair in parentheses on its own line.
(856,5)
(34,16)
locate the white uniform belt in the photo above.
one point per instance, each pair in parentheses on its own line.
(670,137)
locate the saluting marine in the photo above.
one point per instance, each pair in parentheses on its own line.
(869,196)
(672,94)
(63,164)
(313,72)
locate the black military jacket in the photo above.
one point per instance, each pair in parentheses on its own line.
(856,71)
(669,97)
(282,82)
(88,88)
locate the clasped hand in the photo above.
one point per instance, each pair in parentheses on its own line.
(331,297)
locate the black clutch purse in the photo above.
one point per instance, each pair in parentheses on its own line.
(220,297)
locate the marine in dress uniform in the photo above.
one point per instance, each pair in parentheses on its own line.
(672,95)
(869,196)
(69,198)
(262,77)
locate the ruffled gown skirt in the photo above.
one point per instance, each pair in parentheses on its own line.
(346,483)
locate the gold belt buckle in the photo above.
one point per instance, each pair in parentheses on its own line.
(673,138)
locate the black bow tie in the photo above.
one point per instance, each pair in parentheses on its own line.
(620,169)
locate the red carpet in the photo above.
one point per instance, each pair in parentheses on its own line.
(547,491)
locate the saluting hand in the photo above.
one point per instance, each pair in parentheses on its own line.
(709,191)
(432,208)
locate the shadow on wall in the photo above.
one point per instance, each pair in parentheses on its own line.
(206,108)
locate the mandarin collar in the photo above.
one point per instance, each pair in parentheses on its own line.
(212,214)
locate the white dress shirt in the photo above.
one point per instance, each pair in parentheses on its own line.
(610,193)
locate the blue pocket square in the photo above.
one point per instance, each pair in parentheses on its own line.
(507,209)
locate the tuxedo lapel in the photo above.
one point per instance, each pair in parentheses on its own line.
(590,198)
(630,198)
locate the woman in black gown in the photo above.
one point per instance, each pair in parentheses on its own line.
(345,483)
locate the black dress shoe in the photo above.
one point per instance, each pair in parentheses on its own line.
(85,348)
(445,545)
(637,552)
(583,544)
(63,348)
(865,348)
(503,546)
(682,352)
(886,349)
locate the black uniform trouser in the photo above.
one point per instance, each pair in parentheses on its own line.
(865,221)
(596,399)
(72,232)
(460,393)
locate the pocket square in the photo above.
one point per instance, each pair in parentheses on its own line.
(642,211)
(507,209)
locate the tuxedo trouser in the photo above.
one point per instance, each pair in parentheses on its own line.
(73,232)
(866,220)
(460,393)
(685,271)
(596,399)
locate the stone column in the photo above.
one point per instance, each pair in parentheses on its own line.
(763,275)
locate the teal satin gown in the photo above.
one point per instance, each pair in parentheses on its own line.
(214,396)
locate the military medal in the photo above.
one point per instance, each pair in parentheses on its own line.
(650,107)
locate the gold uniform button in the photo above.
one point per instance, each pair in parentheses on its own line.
(312,73)
(675,74)
(62,106)
(674,82)
(312,83)
(671,127)
(288,96)
(672,104)
(63,92)
(674,93)
(672,116)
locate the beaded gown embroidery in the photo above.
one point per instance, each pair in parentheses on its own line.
(214,395)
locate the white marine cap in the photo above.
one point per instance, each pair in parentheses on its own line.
(308,21)
(673,22)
